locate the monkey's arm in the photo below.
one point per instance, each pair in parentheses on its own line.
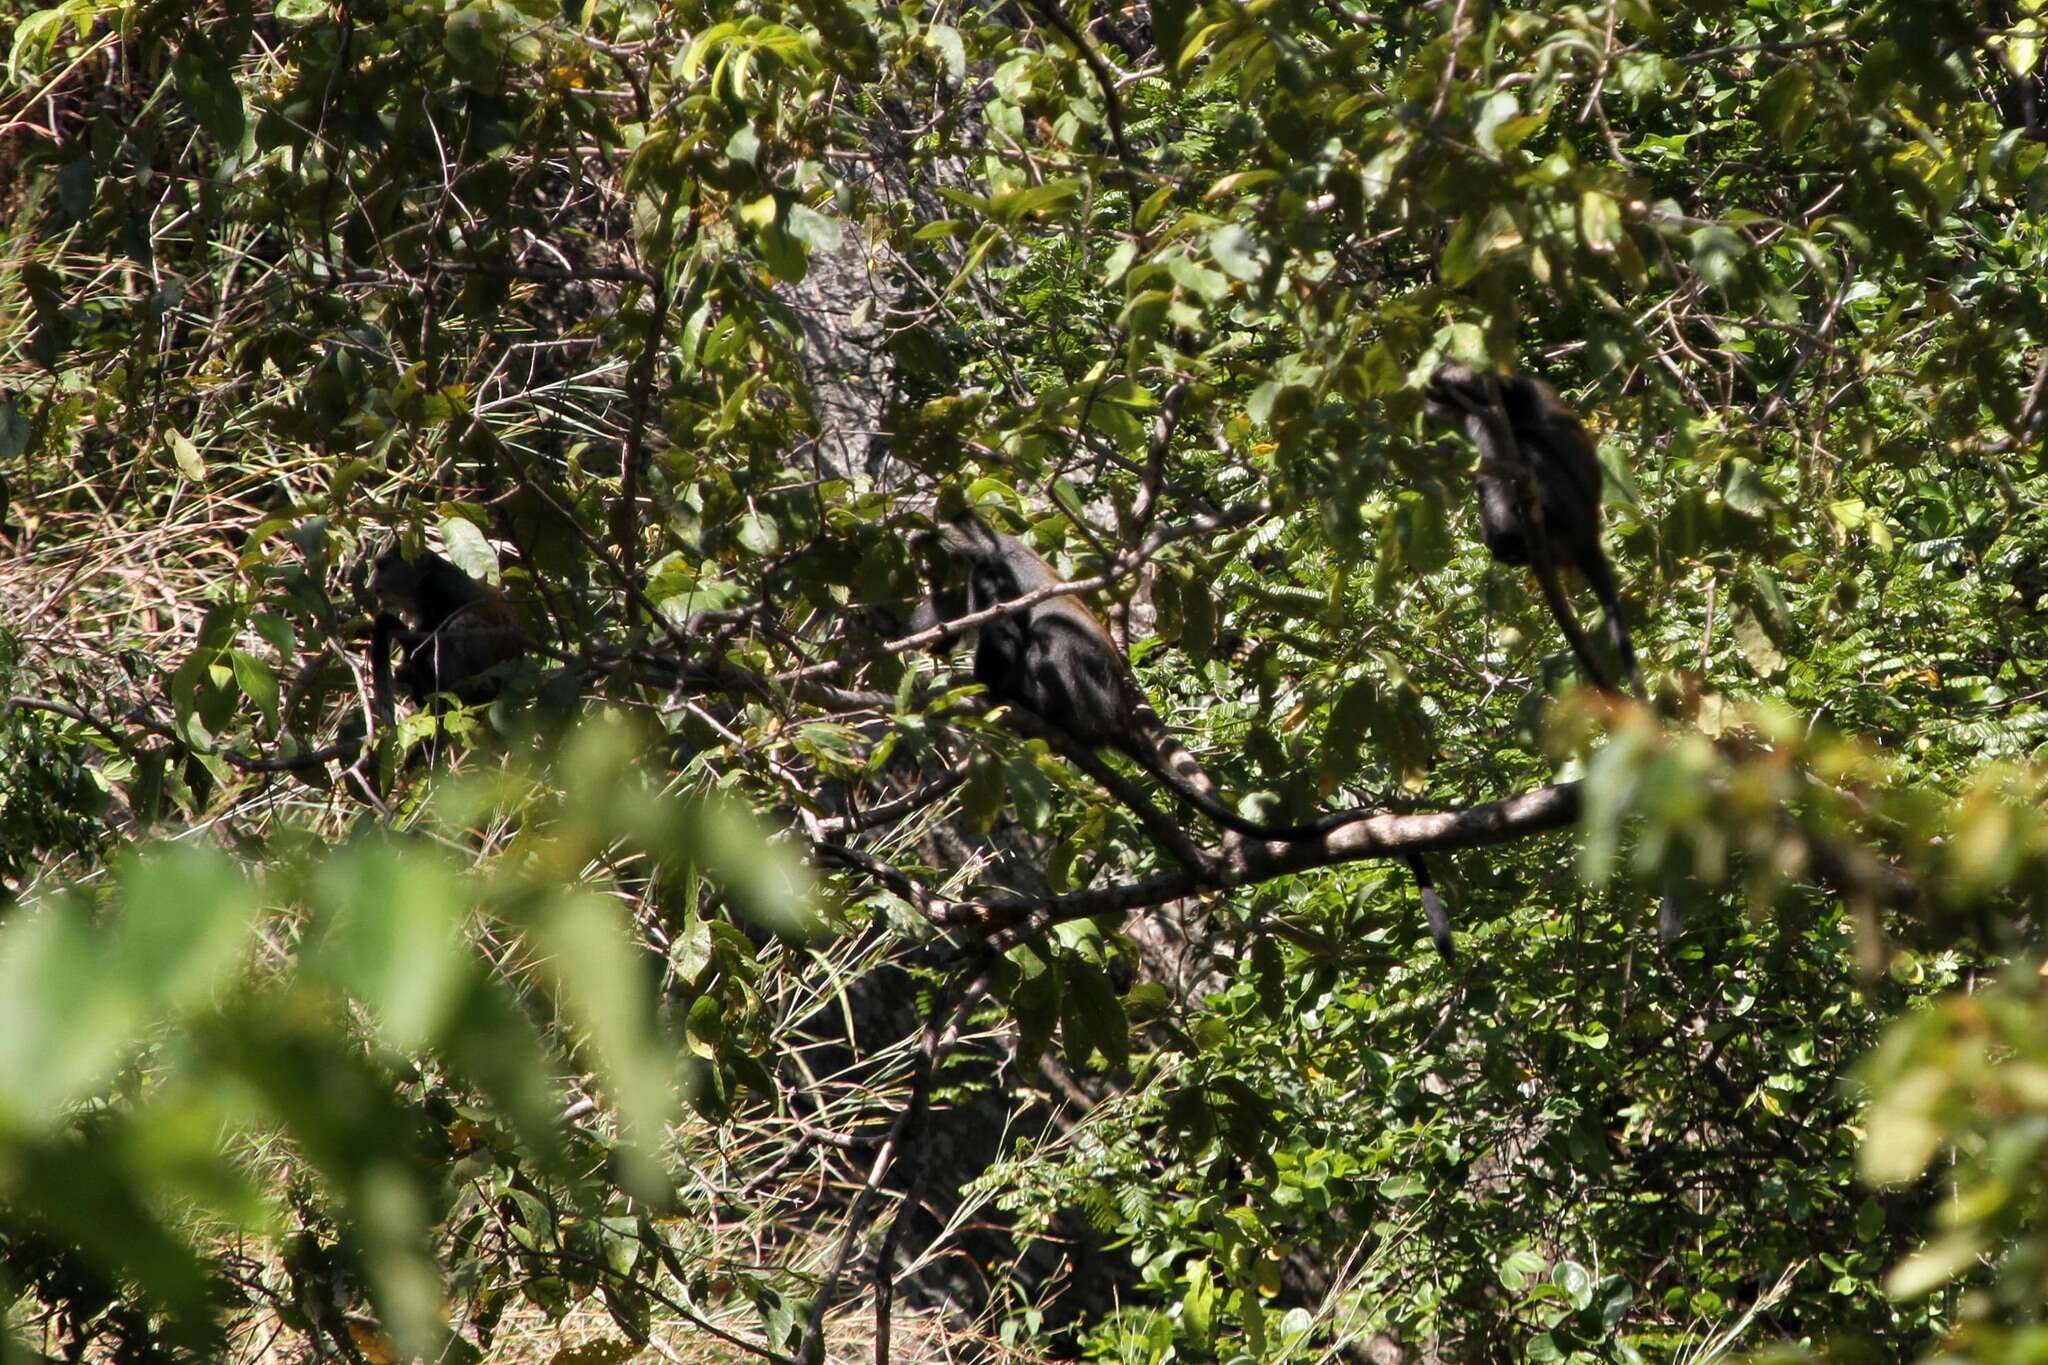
(384,633)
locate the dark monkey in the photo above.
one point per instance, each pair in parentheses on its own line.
(454,630)
(1057,661)
(1525,433)
(1539,504)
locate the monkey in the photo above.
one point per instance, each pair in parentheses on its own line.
(1539,495)
(454,630)
(1057,662)
(1524,431)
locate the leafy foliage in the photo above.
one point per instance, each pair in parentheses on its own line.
(679,321)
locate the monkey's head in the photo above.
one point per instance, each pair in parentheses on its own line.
(963,541)
(396,579)
(970,538)
(1457,391)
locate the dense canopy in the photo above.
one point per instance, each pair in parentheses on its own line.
(726,962)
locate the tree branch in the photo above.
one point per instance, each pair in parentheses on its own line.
(941,1031)
(1227,519)
(1113,106)
(1008,921)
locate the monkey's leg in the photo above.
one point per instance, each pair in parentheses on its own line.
(1163,830)
(386,631)
(1156,749)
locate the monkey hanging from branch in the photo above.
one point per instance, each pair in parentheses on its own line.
(1055,661)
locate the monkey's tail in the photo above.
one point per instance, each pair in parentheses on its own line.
(1670,916)
(1181,773)
(1156,749)
(1601,575)
(1433,909)
(1567,620)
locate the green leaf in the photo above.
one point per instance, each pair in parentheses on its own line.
(813,229)
(76,996)
(1270,974)
(186,455)
(257,681)
(1474,242)
(1935,1264)
(43,30)
(15,432)
(465,41)
(1239,253)
(1756,645)
(850,46)
(1786,104)
(1518,1268)
(1717,253)
(705,1026)
(2023,46)
(78,187)
(65,1021)
(1169,32)
(944,40)
(1421,532)
(1599,221)
(1495,110)
(602,977)
(1017,205)
(1576,1281)
(360,1139)
(759,535)
(207,85)
(1901,1134)
(468,550)
(1198,1303)
(1744,490)
(1094,1000)
(393,937)
(1029,792)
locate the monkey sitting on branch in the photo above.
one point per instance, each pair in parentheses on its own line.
(1539,496)
(1056,661)
(457,634)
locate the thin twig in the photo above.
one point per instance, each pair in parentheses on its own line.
(1112,102)
(1227,519)
(626,513)
(942,1030)
(1156,449)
